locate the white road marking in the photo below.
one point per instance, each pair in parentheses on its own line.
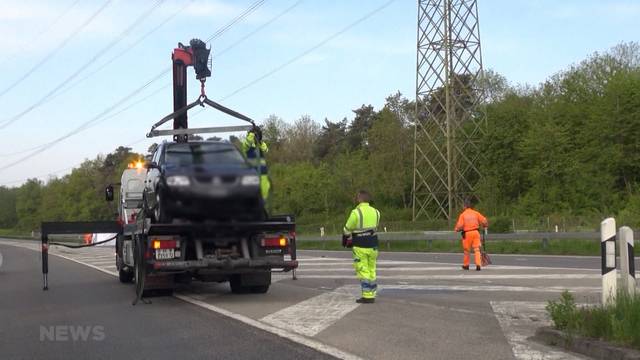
(516,321)
(380,262)
(99,263)
(499,288)
(337,261)
(313,315)
(86,264)
(421,268)
(471,276)
(314,344)
(91,258)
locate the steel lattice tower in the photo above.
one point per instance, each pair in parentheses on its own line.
(448,98)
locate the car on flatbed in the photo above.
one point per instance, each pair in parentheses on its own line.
(201,180)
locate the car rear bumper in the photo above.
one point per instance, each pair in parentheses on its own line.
(226,264)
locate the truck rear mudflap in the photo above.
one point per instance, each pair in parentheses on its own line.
(225,264)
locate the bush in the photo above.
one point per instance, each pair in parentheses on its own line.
(618,322)
(563,311)
(500,224)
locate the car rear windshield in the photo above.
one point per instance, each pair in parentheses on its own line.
(202,153)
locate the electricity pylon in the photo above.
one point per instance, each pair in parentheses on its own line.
(448,118)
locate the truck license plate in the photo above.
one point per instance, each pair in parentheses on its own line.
(163,254)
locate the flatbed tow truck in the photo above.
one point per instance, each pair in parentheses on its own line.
(160,255)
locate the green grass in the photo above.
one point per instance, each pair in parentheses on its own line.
(554,247)
(618,323)
(16,234)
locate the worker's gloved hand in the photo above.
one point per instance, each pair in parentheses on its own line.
(346,241)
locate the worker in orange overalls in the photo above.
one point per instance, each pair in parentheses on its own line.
(469,223)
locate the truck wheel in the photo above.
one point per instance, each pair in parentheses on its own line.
(260,289)
(235,283)
(125,276)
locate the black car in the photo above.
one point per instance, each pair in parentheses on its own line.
(203,180)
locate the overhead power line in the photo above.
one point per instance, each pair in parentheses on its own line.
(121,53)
(96,119)
(137,42)
(222,30)
(57,48)
(119,38)
(309,50)
(64,169)
(257,30)
(44,30)
(82,127)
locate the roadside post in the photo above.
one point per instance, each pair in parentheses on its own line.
(45,260)
(608,256)
(627,260)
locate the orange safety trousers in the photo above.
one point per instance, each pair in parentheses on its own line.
(471,240)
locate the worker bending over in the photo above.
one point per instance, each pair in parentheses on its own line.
(360,234)
(469,223)
(254,150)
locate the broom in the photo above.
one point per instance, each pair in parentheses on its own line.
(486,260)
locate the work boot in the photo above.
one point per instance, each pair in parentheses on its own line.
(465,267)
(478,268)
(365,301)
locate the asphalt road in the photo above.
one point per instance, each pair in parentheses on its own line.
(40,325)
(427,308)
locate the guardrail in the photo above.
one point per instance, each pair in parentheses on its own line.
(450,235)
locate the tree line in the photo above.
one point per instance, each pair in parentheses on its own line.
(567,147)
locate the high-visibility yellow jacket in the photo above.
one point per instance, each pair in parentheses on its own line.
(252,152)
(362,225)
(363,218)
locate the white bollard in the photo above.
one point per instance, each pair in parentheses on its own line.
(608,254)
(627,260)
(322,231)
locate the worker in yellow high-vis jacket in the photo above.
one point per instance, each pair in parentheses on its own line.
(360,234)
(254,150)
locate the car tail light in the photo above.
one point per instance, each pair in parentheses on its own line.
(279,241)
(164,244)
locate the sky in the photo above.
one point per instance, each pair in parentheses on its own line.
(261,66)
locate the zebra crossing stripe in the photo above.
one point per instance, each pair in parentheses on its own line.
(313,315)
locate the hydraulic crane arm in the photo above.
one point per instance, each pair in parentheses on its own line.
(196,55)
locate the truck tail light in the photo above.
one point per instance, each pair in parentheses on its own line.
(164,244)
(279,241)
